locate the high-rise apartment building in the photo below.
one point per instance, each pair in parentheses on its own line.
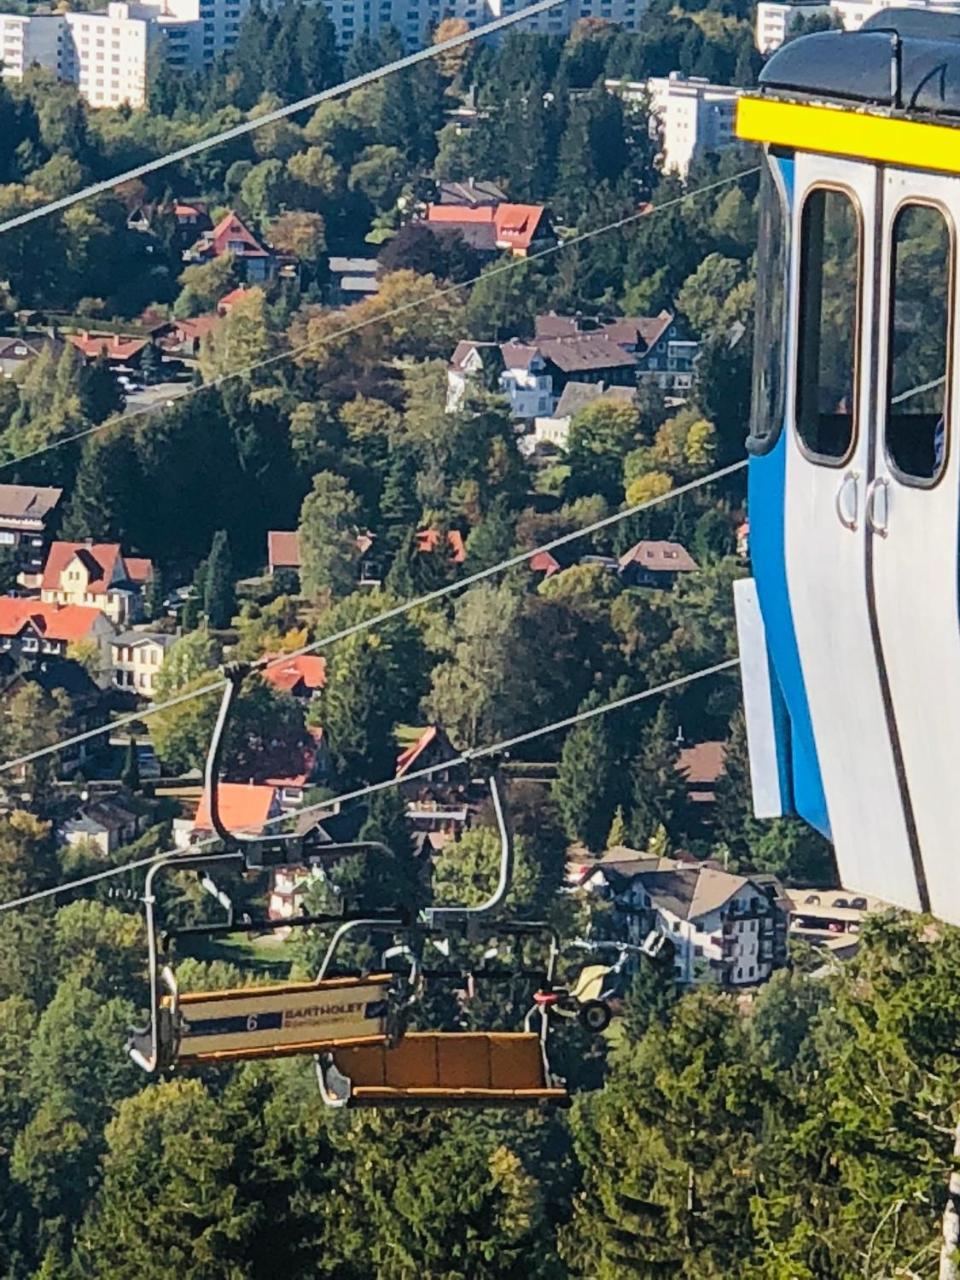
(776,18)
(106,53)
(694,115)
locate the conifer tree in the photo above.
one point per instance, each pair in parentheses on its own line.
(584,786)
(130,777)
(219,597)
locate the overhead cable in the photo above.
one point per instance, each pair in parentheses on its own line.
(387,615)
(465,757)
(292,353)
(281,113)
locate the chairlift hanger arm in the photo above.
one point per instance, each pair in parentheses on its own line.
(285,849)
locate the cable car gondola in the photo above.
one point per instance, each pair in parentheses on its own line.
(850,626)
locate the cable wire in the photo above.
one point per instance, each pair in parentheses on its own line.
(281,113)
(465,757)
(416,304)
(385,615)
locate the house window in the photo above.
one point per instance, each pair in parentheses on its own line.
(918,342)
(676,926)
(828,328)
(7,539)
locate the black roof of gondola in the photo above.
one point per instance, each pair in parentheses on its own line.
(900,58)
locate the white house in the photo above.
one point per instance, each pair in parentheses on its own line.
(724,929)
(776,18)
(97,574)
(136,658)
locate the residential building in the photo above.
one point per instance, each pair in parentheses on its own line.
(66,677)
(428,541)
(470,193)
(288,886)
(283,551)
(107,824)
(26,515)
(243,806)
(527,380)
(775,19)
(107,53)
(352,279)
(183,338)
(831,919)
(477,364)
(724,929)
(519,229)
(651,563)
(17,353)
(98,574)
(663,346)
(35,630)
(117,349)
(437,804)
(136,659)
(302,676)
(256,261)
(230,300)
(693,115)
(554,431)
(701,765)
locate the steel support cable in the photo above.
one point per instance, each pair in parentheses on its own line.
(465,757)
(417,304)
(281,113)
(386,615)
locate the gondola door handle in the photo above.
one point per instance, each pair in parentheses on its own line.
(849,484)
(878,501)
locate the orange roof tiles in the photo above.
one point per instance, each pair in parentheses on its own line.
(427,540)
(515,225)
(406,758)
(283,549)
(63,622)
(115,346)
(307,669)
(101,560)
(243,807)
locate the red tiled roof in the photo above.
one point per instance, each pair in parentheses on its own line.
(406,758)
(703,764)
(428,539)
(543,562)
(138,569)
(307,669)
(232,298)
(243,807)
(186,211)
(196,327)
(517,224)
(66,622)
(514,225)
(100,559)
(283,549)
(115,346)
(230,228)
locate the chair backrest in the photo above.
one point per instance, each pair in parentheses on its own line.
(447,1068)
(297,1017)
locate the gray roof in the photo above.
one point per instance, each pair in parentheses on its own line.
(689,892)
(470,193)
(577,395)
(357,266)
(359,284)
(101,815)
(130,638)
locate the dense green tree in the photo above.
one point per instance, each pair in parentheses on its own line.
(219,601)
(586,787)
(328,538)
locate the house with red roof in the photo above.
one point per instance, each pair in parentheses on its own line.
(117,349)
(256,261)
(427,542)
(244,806)
(436,802)
(96,574)
(230,300)
(184,337)
(302,676)
(519,229)
(655,563)
(283,551)
(34,630)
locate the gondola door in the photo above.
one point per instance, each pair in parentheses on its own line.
(827,464)
(911,513)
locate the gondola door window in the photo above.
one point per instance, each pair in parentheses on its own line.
(830,259)
(916,430)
